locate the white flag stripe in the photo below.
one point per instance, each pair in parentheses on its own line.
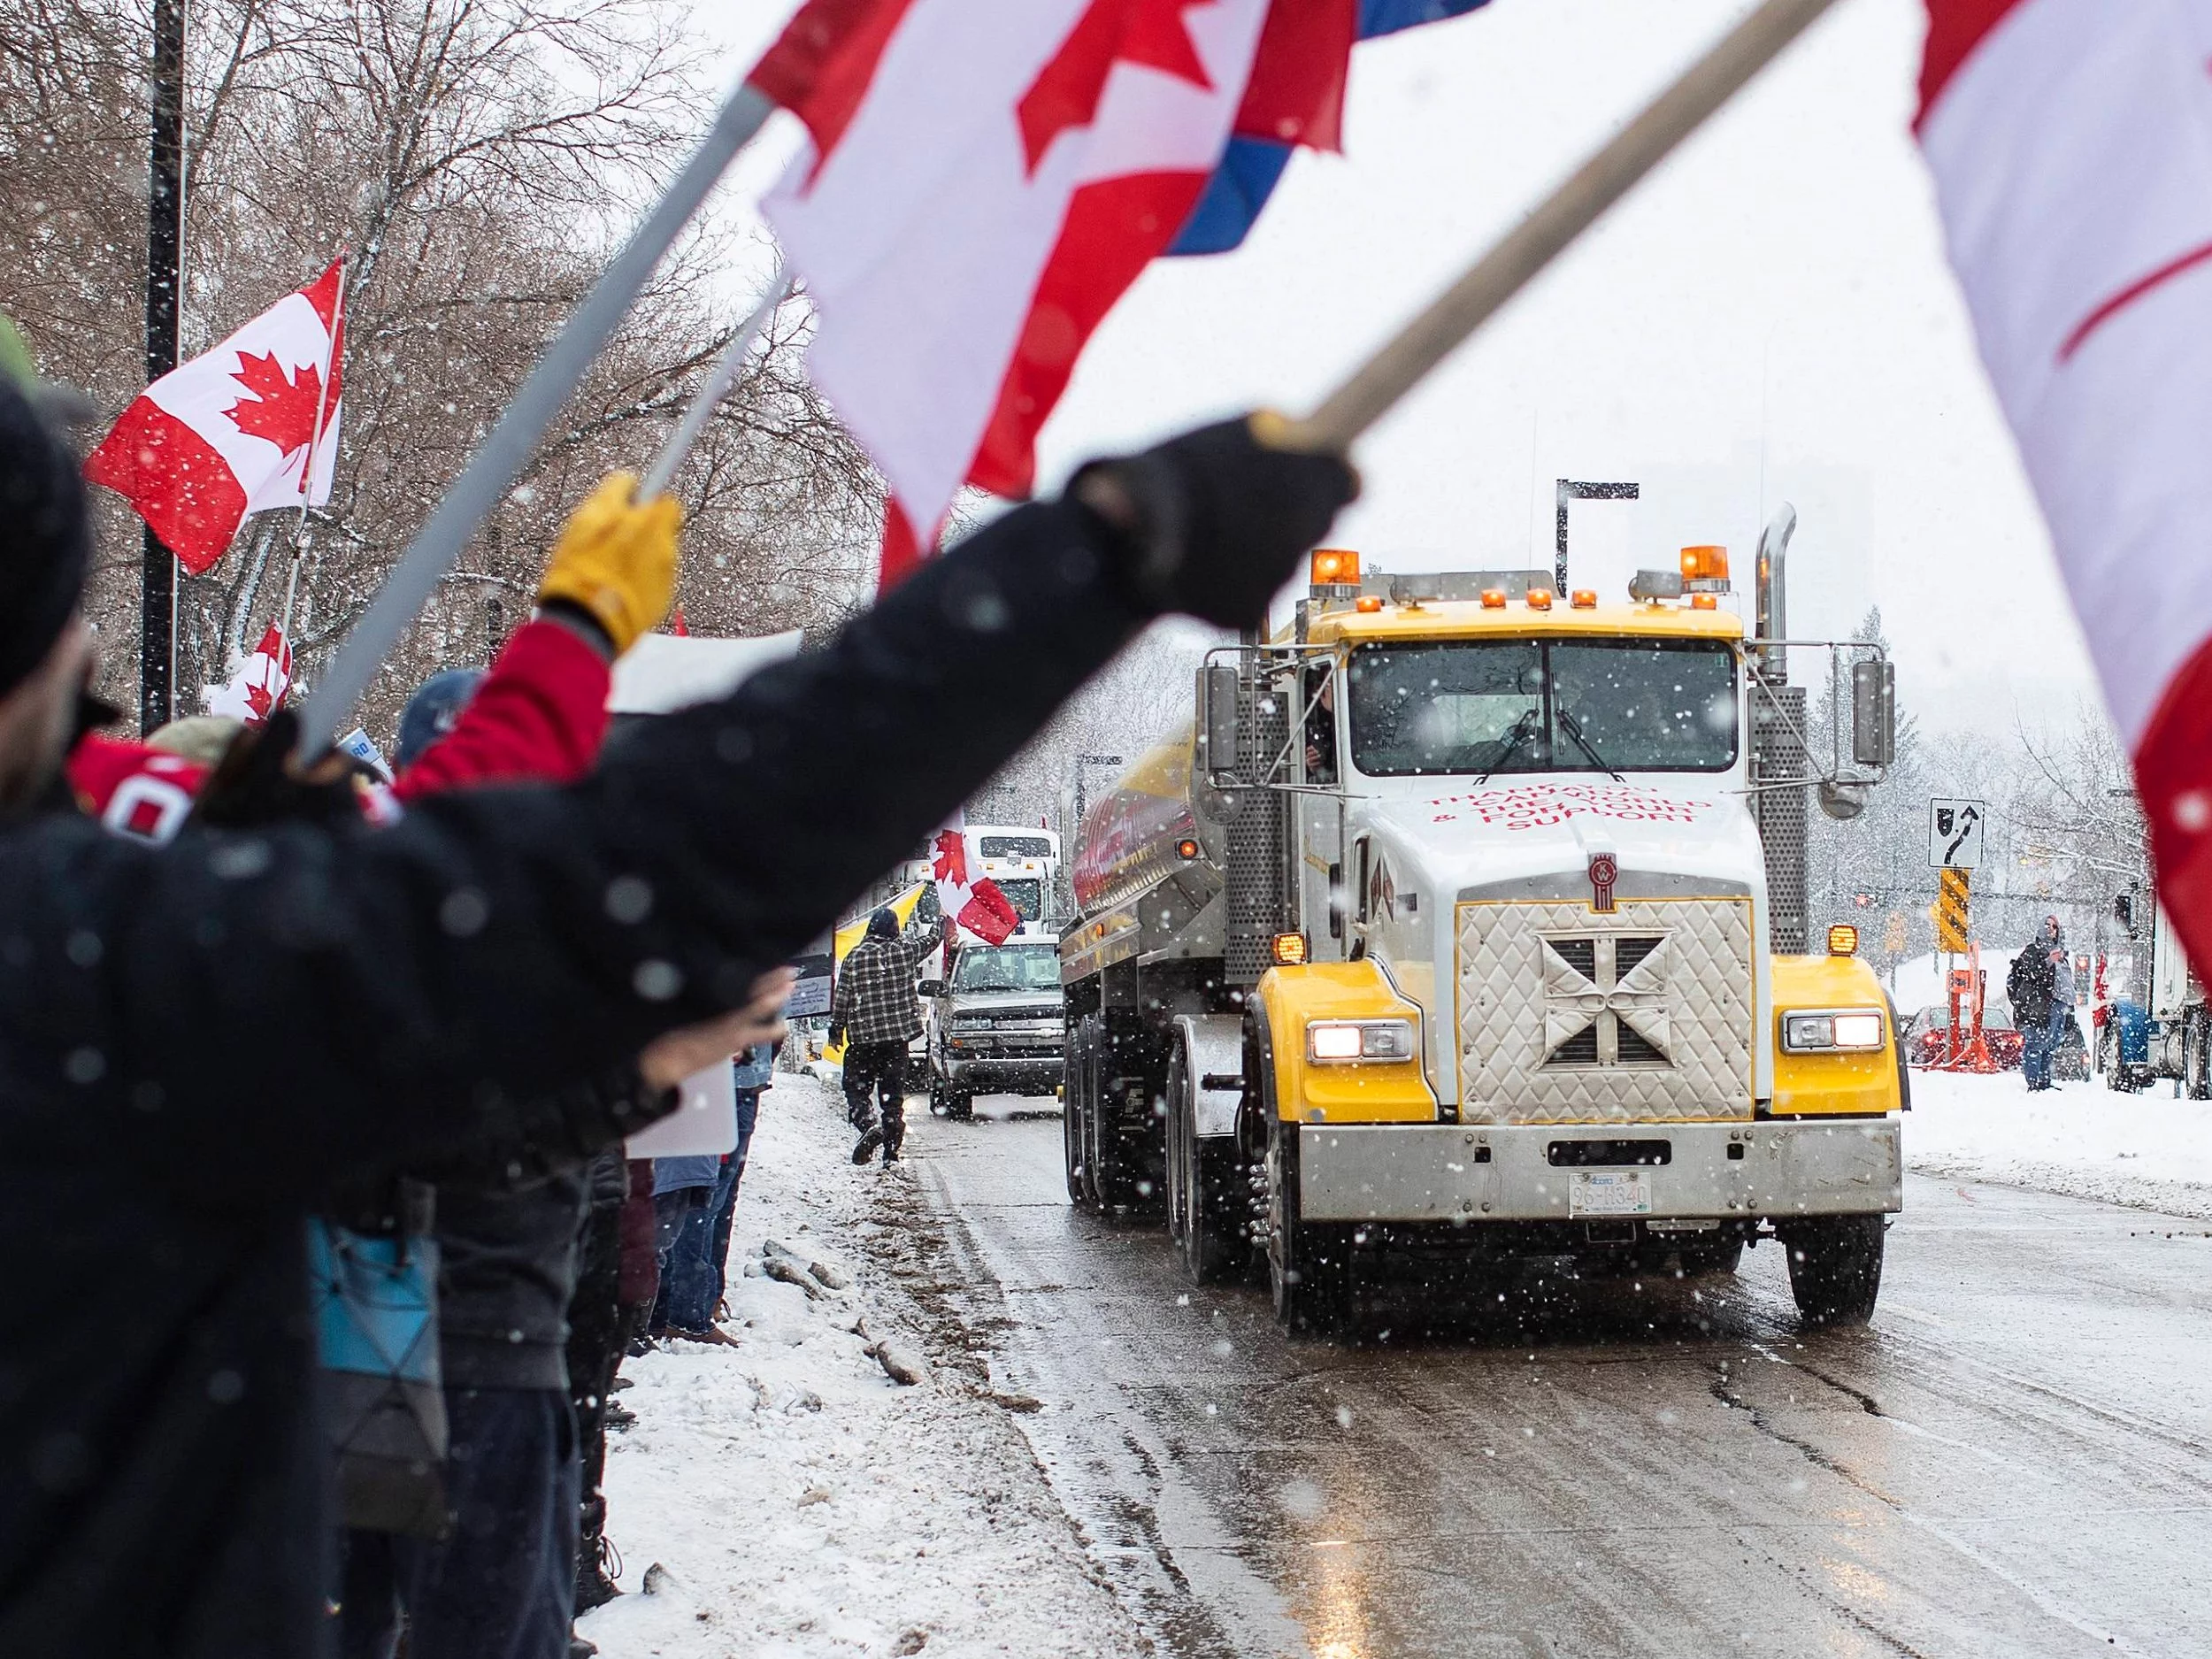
(2072,152)
(202,392)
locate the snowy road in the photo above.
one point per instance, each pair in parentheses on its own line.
(2016,1459)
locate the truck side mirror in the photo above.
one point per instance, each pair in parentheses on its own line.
(1217,688)
(2124,913)
(1874,712)
(930,988)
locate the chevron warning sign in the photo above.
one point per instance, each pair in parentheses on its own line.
(1953,910)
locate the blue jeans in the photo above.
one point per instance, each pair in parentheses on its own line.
(2038,1042)
(692,1282)
(502,1584)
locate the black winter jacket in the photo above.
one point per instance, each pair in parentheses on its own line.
(197,1041)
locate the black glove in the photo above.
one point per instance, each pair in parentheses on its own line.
(836,1036)
(256,782)
(1214,522)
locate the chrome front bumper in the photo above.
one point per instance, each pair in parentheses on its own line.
(1495,1173)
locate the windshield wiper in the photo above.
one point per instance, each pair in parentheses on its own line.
(1573,728)
(1524,729)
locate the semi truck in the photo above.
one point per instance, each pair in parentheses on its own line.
(1465,924)
(2159,1030)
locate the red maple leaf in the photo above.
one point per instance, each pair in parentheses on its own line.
(951,862)
(1066,95)
(261,703)
(283,411)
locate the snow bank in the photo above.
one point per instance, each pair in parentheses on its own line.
(2148,1150)
(798,1502)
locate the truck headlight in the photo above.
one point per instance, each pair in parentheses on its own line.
(1346,1041)
(1852,1030)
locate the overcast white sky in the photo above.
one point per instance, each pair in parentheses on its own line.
(1770,317)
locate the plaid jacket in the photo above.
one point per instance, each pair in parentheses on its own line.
(874,1000)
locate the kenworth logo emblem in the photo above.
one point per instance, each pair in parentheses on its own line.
(1605,870)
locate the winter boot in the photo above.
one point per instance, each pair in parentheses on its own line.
(869,1142)
(598,1564)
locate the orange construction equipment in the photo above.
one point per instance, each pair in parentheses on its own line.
(1966,1049)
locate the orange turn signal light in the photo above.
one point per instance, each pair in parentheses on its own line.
(1335,567)
(1540,599)
(1843,940)
(1493,599)
(1585,599)
(1703,601)
(1704,564)
(1290,950)
(1186,848)
(1368,604)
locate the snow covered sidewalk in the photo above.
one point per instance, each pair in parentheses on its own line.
(787,1498)
(2148,1150)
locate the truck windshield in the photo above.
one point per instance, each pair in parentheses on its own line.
(1026,893)
(1016,846)
(1008,968)
(1543,705)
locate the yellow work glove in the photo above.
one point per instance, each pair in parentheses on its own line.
(617,558)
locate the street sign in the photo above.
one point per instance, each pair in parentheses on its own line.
(1954,927)
(1955,833)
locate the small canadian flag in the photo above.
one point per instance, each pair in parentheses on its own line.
(976,903)
(257,690)
(251,424)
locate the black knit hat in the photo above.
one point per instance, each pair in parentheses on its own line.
(45,536)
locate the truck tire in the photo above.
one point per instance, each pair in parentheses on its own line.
(2196,1074)
(959,1104)
(1203,1215)
(2119,1075)
(1074,1112)
(1836,1267)
(1109,1181)
(1308,1266)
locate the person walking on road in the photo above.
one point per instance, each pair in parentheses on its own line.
(2031,988)
(876,1013)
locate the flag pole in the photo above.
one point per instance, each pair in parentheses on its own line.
(717,387)
(315,440)
(495,466)
(1403,362)
(164,262)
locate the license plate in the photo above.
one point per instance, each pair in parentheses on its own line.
(1610,1193)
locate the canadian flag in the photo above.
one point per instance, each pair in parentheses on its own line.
(974,903)
(2068,142)
(251,424)
(983,183)
(257,691)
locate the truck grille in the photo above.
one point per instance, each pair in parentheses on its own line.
(1640,1015)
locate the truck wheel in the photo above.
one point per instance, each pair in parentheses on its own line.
(1836,1267)
(1072,1111)
(1307,1266)
(959,1104)
(1201,1186)
(2119,1075)
(1106,1172)
(2196,1076)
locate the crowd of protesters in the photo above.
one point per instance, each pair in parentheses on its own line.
(234,1052)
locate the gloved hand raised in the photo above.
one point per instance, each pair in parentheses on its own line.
(617,559)
(1215,521)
